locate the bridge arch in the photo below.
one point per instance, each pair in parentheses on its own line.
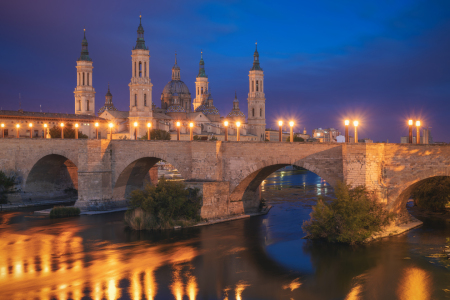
(52,175)
(135,174)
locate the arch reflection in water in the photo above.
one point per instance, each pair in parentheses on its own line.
(414,285)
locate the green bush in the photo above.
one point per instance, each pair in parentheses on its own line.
(296,139)
(64,211)
(163,206)
(6,183)
(433,193)
(351,218)
(157,134)
(69,132)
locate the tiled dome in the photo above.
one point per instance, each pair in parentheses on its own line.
(175,108)
(211,110)
(236,113)
(107,107)
(201,108)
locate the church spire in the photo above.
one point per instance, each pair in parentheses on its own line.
(176,70)
(201,71)
(256,59)
(84,49)
(140,43)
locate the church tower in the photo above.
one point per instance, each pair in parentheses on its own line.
(84,92)
(256,99)
(140,86)
(201,84)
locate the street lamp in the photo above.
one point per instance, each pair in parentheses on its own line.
(3,130)
(418,132)
(280,124)
(111,125)
(356,123)
(135,130)
(291,124)
(18,126)
(149,125)
(410,124)
(47,135)
(76,130)
(191,128)
(96,130)
(178,130)
(226,130)
(346,122)
(31,131)
(238,134)
(62,130)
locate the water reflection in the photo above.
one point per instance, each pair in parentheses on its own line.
(414,285)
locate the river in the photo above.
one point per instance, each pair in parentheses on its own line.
(95,257)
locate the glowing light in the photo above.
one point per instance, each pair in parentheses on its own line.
(291,123)
(354,293)
(149,124)
(62,124)
(225,123)
(410,122)
(191,124)
(135,124)
(178,124)
(280,123)
(76,125)
(295,284)
(96,124)
(3,125)
(177,285)
(30,124)
(45,125)
(191,288)
(238,124)
(347,122)
(150,285)
(355,123)
(418,123)
(18,125)
(136,286)
(110,125)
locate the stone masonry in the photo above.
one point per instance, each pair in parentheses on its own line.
(228,174)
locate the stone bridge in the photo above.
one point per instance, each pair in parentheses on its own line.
(228,174)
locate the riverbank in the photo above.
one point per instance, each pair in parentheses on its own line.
(35,205)
(422,214)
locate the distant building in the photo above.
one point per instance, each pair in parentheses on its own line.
(425,138)
(327,135)
(340,139)
(365,141)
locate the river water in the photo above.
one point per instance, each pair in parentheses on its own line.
(94,257)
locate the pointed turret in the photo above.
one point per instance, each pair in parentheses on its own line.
(256,65)
(84,49)
(201,70)
(176,70)
(236,114)
(109,106)
(140,43)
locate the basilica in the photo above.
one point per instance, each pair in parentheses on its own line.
(177,102)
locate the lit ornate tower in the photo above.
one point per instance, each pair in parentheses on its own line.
(140,86)
(201,84)
(84,92)
(256,99)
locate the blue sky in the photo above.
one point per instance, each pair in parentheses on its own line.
(380,62)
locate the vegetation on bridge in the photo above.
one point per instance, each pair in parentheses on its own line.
(432,194)
(352,217)
(64,211)
(6,183)
(69,132)
(163,206)
(157,134)
(295,139)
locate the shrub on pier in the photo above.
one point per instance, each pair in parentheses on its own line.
(6,183)
(433,193)
(163,206)
(64,211)
(352,217)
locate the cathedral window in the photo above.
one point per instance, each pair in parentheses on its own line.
(79,105)
(260,112)
(83,78)
(198,91)
(145,99)
(134,69)
(253,86)
(202,90)
(140,69)
(88,79)
(145,69)
(135,99)
(257,85)
(253,112)
(87,105)
(79,78)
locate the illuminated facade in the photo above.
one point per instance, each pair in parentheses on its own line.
(256,99)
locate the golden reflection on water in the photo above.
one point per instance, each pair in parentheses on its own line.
(295,284)
(240,287)
(177,285)
(354,293)
(414,285)
(45,266)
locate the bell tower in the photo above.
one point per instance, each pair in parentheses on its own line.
(140,86)
(84,92)
(201,83)
(256,99)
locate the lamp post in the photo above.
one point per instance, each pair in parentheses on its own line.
(238,134)
(47,134)
(149,126)
(280,135)
(291,124)
(410,124)
(418,132)
(191,131)
(135,130)
(226,130)
(76,131)
(96,130)
(356,123)
(178,130)
(31,131)
(18,126)
(111,125)
(347,122)
(62,130)
(3,130)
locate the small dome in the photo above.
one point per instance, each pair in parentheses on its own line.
(211,110)
(236,113)
(175,108)
(200,108)
(107,107)
(175,86)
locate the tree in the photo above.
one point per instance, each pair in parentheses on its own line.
(6,183)
(296,139)
(433,193)
(163,205)
(351,218)
(213,138)
(157,134)
(69,132)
